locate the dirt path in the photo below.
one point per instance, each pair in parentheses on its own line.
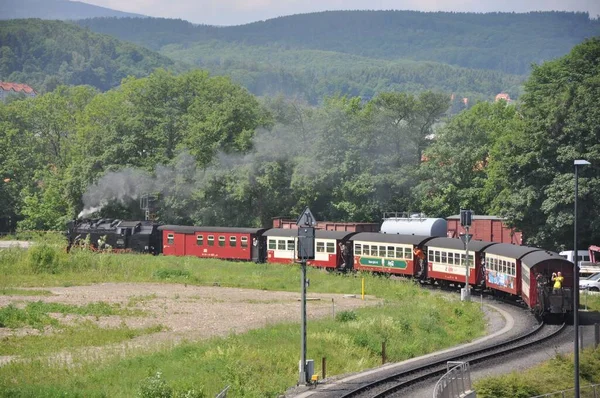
(187,312)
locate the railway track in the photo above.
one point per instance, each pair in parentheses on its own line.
(392,384)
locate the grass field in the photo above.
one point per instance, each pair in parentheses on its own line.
(259,363)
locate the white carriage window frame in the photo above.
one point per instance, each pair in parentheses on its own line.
(244,241)
(199,240)
(358,249)
(330,248)
(391,252)
(366,250)
(320,247)
(232,241)
(272,244)
(382,251)
(399,252)
(374,251)
(280,244)
(211,240)
(290,245)
(170,239)
(222,241)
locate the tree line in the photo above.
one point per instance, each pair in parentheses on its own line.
(214,154)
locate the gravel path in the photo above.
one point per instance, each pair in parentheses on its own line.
(187,312)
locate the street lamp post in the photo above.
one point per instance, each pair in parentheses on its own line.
(577,163)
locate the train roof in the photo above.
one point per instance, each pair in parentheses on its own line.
(457,244)
(319,233)
(510,251)
(190,230)
(391,238)
(534,258)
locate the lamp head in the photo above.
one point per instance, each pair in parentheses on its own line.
(581,162)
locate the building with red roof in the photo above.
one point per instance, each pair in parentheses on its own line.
(7,89)
(503,96)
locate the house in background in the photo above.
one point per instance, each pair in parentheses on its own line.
(503,96)
(7,89)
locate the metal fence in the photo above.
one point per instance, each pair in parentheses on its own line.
(591,391)
(455,383)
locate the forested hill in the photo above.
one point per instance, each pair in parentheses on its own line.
(56,9)
(45,54)
(507,42)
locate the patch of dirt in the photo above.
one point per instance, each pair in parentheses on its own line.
(187,312)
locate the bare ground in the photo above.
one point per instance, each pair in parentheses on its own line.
(188,313)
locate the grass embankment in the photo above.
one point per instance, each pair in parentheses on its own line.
(260,363)
(553,375)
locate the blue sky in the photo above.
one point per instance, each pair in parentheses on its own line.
(235,12)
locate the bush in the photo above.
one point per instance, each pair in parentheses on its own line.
(43,258)
(155,387)
(346,316)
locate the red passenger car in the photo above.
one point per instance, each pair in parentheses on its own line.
(446,260)
(503,267)
(388,253)
(536,282)
(282,247)
(213,242)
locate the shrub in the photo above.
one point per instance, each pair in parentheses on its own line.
(155,387)
(43,258)
(346,316)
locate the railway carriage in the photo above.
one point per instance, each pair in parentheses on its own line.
(446,260)
(503,267)
(388,253)
(282,247)
(536,282)
(216,242)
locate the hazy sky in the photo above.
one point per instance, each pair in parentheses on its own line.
(235,12)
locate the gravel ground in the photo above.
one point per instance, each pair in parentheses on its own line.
(187,312)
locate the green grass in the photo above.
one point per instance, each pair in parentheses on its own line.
(36,314)
(260,363)
(85,334)
(553,375)
(263,363)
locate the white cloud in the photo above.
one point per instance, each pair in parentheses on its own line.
(232,12)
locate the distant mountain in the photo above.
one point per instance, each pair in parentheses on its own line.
(44,54)
(507,42)
(56,9)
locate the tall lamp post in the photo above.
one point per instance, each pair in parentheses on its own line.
(579,162)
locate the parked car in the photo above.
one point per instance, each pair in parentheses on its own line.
(591,282)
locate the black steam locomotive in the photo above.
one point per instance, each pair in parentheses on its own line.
(119,235)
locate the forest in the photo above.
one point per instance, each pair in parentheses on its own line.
(506,42)
(46,54)
(215,154)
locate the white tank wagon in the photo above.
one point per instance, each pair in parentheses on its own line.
(416,224)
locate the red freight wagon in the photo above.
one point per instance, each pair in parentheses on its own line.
(486,228)
(388,253)
(503,267)
(446,260)
(213,242)
(330,225)
(282,247)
